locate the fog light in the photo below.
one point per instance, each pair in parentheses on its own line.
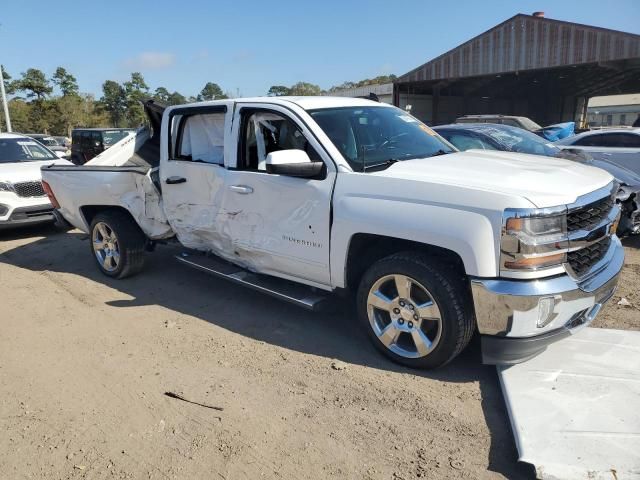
(3,210)
(546,306)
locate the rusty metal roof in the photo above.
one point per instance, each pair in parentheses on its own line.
(524,42)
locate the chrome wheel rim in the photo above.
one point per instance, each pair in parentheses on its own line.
(404,316)
(106,247)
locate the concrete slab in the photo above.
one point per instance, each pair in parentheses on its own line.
(575,409)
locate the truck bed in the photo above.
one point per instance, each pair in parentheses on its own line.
(81,189)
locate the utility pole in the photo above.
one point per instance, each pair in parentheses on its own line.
(4,100)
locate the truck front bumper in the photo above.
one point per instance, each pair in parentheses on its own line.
(518,319)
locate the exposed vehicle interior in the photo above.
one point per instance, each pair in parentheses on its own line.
(266,132)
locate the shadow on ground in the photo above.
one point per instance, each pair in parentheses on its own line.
(167,283)
(633,242)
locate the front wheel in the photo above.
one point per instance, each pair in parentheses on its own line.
(117,244)
(415,311)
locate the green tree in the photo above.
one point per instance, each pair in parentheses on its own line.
(305,89)
(379,80)
(66,82)
(19,112)
(41,112)
(211,91)
(70,111)
(114,101)
(34,83)
(278,91)
(176,99)
(136,91)
(162,95)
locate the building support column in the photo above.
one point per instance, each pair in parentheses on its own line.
(396,94)
(581,112)
(435,104)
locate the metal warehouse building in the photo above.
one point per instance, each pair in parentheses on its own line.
(531,66)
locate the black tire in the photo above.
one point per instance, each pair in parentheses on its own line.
(447,288)
(131,243)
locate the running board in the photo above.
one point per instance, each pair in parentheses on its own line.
(303,296)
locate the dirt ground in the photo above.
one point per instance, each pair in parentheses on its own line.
(85,363)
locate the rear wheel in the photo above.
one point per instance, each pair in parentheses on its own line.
(415,310)
(117,244)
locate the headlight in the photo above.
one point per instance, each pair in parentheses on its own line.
(6,187)
(538,229)
(533,240)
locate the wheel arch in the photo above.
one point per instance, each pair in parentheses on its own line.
(89,212)
(365,249)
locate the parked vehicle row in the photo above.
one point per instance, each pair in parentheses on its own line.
(550,132)
(22,198)
(620,146)
(52,143)
(305,197)
(487,136)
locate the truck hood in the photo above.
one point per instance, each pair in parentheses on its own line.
(26,171)
(543,181)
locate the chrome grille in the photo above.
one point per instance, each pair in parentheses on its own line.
(582,260)
(589,216)
(29,189)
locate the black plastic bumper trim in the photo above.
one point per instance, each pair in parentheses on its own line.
(512,350)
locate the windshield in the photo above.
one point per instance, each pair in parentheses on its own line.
(113,136)
(49,142)
(369,137)
(529,124)
(515,139)
(23,150)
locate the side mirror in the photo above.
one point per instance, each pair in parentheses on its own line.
(60,154)
(293,163)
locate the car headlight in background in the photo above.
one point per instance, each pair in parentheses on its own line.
(533,240)
(6,187)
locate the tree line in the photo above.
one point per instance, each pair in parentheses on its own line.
(304,88)
(55,105)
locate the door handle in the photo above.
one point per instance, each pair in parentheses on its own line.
(174,180)
(241,189)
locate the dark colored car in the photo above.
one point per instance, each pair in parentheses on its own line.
(487,136)
(86,143)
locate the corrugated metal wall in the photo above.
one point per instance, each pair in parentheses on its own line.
(526,43)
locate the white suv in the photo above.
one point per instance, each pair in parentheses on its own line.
(22,198)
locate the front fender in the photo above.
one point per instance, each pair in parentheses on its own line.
(469,234)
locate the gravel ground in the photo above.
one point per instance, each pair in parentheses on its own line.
(85,362)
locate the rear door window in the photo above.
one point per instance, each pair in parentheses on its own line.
(85,140)
(613,140)
(112,136)
(96,139)
(201,138)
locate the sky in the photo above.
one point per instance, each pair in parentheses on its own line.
(247,46)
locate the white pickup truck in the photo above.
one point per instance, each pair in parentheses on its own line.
(301,197)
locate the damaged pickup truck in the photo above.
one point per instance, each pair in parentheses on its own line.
(302,197)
